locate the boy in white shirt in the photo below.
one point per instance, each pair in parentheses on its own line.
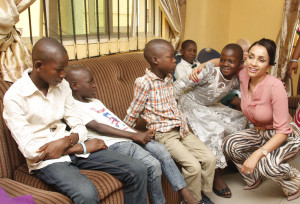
(188,59)
(34,107)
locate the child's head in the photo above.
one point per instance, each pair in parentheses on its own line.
(160,55)
(245,45)
(81,81)
(231,60)
(49,58)
(189,51)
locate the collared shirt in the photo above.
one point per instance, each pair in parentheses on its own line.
(268,105)
(184,68)
(154,101)
(35,119)
(95,110)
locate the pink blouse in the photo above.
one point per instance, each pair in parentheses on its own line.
(268,106)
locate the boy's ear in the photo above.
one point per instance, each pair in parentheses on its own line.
(73,85)
(38,65)
(155,60)
(181,51)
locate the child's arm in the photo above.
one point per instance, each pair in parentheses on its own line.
(140,137)
(138,103)
(194,74)
(92,145)
(184,85)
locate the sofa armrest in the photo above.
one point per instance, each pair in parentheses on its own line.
(293,104)
(16,189)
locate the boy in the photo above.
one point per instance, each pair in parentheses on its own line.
(188,59)
(154,101)
(100,121)
(33,109)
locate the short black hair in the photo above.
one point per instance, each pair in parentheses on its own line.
(186,43)
(45,48)
(238,49)
(153,47)
(270,46)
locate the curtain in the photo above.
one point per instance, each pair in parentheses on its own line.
(14,55)
(174,11)
(285,39)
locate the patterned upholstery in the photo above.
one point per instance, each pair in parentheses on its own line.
(293,104)
(15,189)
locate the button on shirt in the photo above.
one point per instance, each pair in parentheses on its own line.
(35,119)
(154,101)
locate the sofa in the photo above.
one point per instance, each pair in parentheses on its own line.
(114,76)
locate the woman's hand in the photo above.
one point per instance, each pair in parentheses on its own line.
(292,67)
(249,165)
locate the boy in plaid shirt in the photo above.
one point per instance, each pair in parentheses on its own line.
(154,101)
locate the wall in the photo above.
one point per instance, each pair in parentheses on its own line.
(255,19)
(215,23)
(207,22)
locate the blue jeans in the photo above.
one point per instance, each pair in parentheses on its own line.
(169,168)
(65,176)
(154,187)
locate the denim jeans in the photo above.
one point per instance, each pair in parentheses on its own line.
(169,168)
(154,187)
(65,176)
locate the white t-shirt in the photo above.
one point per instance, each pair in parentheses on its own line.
(95,110)
(183,68)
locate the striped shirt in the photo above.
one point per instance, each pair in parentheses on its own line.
(154,101)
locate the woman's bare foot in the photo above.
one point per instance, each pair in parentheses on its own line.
(219,186)
(187,197)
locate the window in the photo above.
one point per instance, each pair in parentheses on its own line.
(90,28)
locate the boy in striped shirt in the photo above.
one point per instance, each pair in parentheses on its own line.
(154,101)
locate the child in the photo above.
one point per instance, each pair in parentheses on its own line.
(188,59)
(33,109)
(154,101)
(210,120)
(101,121)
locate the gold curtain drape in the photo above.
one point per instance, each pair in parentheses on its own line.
(14,55)
(175,11)
(285,39)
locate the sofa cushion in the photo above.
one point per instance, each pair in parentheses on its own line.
(15,189)
(104,182)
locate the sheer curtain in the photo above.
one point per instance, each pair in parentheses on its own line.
(174,11)
(14,55)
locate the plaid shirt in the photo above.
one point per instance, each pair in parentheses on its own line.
(154,101)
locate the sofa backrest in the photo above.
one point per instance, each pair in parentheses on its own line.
(10,156)
(115,76)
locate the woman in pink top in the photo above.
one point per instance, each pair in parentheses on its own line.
(265,149)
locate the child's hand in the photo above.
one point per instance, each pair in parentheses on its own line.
(194,74)
(95,145)
(143,137)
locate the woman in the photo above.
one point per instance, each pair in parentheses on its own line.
(265,149)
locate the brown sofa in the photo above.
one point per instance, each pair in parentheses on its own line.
(114,76)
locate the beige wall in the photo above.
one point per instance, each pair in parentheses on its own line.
(215,23)
(207,22)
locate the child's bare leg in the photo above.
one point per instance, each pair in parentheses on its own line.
(219,186)
(187,197)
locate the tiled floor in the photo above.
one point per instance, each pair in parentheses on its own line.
(267,193)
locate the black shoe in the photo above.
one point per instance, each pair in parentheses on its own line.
(205,200)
